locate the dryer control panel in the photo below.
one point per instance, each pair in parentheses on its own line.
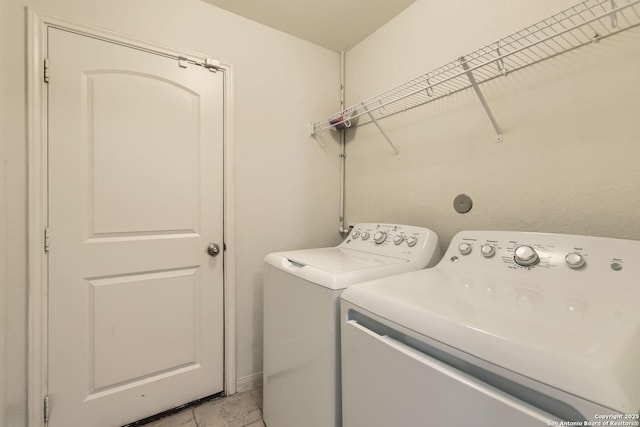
(537,252)
(589,280)
(394,240)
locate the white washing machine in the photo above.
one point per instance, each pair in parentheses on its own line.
(301,316)
(509,329)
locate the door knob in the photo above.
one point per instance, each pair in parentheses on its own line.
(213,249)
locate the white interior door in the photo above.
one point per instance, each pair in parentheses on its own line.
(135,179)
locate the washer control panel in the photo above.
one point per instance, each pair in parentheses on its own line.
(402,241)
(541,251)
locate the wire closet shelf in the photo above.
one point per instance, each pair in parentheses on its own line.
(577,26)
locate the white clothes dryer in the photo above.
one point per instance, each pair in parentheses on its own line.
(301,316)
(509,329)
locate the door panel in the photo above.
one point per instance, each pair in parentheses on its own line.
(135,198)
(126,197)
(119,331)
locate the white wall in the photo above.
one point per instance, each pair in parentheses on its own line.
(569,160)
(286,183)
(3,225)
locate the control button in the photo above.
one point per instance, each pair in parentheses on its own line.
(411,241)
(355,234)
(574,260)
(487,251)
(365,235)
(380,237)
(616,266)
(526,255)
(398,239)
(464,248)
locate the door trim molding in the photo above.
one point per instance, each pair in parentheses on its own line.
(37,24)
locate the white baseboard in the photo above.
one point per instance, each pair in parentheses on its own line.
(249,382)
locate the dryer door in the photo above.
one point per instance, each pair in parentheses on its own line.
(386,383)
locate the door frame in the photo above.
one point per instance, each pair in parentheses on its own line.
(37,218)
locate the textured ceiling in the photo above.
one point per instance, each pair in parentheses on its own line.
(334,24)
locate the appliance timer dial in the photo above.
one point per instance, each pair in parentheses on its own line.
(525,255)
(380,237)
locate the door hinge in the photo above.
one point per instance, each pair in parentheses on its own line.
(47,240)
(46,409)
(46,70)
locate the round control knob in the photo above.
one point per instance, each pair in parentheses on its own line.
(464,248)
(380,237)
(487,251)
(574,260)
(365,235)
(411,241)
(398,239)
(355,234)
(526,255)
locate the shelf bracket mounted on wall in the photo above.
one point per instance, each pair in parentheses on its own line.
(375,122)
(483,101)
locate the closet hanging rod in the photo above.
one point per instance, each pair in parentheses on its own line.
(570,29)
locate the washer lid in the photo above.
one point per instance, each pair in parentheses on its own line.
(583,343)
(340,260)
(337,268)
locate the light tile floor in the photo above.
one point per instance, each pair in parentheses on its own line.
(240,410)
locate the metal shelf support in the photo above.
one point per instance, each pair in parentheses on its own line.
(483,101)
(375,122)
